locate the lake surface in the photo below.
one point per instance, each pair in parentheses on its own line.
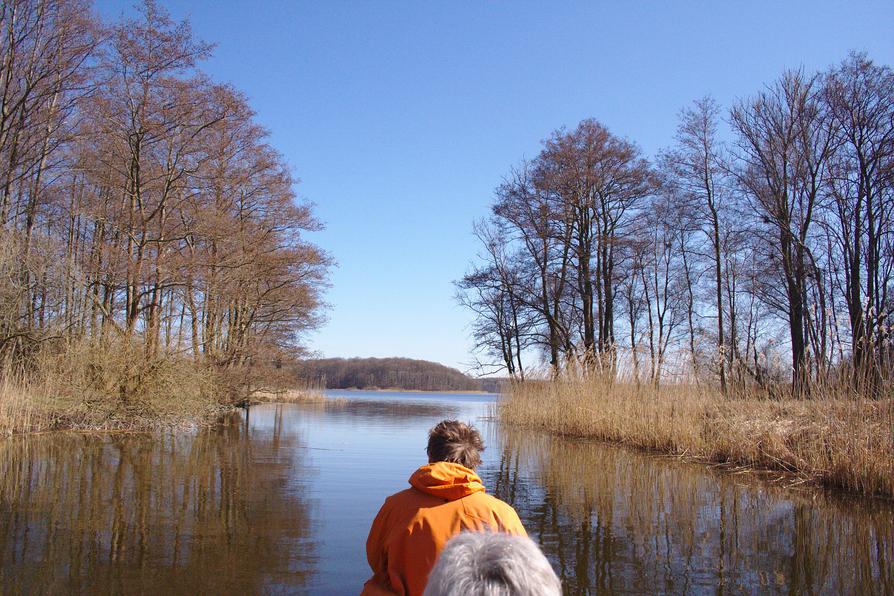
(279,500)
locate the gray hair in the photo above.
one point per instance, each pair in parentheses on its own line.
(492,564)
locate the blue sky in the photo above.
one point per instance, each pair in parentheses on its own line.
(400,118)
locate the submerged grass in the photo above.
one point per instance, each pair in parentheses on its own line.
(845,443)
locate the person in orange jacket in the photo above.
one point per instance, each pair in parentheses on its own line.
(446,497)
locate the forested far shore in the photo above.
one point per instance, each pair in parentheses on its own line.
(388,373)
(153,253)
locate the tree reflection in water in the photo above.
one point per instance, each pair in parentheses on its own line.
(612,521)
(242,509)
(220,510)
(374,410)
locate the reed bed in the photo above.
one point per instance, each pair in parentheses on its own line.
(89,386)
(302,395)
(16,406)
(845,443)
(114,385)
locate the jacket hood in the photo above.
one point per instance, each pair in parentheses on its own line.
(446,480)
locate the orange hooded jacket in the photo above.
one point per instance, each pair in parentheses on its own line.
(413,525)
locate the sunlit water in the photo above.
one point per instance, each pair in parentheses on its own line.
(279,500)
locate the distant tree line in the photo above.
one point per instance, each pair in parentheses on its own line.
(140,201)
(757,250)
(386,373)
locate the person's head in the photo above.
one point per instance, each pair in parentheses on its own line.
(492,564)
(456,442)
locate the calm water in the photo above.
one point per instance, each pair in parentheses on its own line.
(280,501)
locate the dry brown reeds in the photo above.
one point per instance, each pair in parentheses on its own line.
(839,442)
(105,386)
(306,393)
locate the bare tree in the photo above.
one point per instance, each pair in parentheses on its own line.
(600,180)
(784,142)
(662,282)
(695,167)
(533,217)
(860,98)
(494,293)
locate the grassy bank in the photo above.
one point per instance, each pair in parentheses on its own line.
(95,386)
(842,443)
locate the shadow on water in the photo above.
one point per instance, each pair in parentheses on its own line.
(214,511)
(614,522)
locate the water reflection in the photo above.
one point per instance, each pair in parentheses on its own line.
(281,500)
(393,411)
(220,510)
(615,522)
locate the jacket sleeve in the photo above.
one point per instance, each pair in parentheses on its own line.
(375,542)
(376,555)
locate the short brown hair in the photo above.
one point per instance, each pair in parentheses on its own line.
(456,442)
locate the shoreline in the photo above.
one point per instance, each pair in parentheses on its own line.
(777,478)
(841,445)
(59,423)
(433,392)
(550,415)
(46,416)
(42,420)
(780,476)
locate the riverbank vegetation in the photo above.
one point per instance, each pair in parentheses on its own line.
(841,443)
(89,386)
(297,392)
(729,298)
(153,260)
